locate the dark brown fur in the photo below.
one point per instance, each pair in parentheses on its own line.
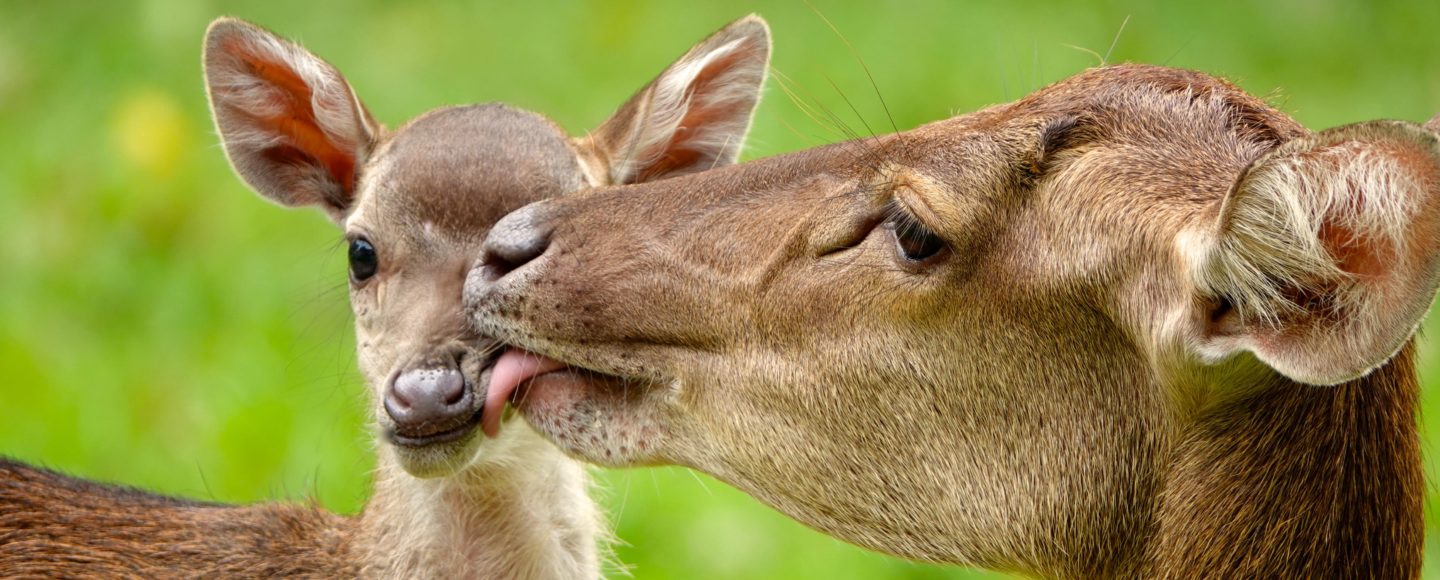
(1298,481)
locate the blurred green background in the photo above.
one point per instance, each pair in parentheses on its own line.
(162,327)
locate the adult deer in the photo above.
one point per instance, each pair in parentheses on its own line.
(415,205)
(1137,323)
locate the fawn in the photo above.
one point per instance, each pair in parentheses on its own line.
(415,204)
(1137,323)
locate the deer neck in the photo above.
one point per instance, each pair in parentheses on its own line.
(521,511)
(1292,480)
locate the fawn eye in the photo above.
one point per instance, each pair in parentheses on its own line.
(363,261)
(913,240)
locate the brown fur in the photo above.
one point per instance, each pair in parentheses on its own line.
(1105,373)
(1299,482)
(57,526)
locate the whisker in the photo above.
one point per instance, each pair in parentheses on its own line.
(696,476)
(785,86)
(209,492)
(849,104)
(810,136)
(1182,47)
(863,67)
(853,139)
(835,120)
(848,136)
(1098,58)
(1115,41)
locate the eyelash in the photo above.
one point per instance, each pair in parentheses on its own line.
(915,242)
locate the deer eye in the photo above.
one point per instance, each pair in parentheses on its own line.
(915,242)
(363,261)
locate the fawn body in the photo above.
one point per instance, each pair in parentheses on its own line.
(415,204)
(1138,323)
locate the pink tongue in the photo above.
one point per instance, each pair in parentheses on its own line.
(514,368)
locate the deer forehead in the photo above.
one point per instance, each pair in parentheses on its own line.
(449,175)
(1159,150)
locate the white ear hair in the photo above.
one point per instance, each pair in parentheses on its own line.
(1329,251)
(695,115)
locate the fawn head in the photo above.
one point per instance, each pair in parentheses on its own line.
(415,203)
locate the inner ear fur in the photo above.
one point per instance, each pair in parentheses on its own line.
(1327,252)
(291,125)
(692,117)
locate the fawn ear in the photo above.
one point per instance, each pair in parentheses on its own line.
(291,125)
(1328,252)
(692,117)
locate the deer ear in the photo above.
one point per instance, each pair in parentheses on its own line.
(292,127)
(1328,252)
(692,117)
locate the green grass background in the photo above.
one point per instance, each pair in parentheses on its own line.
(163,327)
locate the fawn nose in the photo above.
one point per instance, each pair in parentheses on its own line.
(428,401)
(516,240)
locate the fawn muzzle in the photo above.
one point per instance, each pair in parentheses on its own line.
(431,402)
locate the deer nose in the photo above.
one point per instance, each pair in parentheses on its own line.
(429,401)
(516,240)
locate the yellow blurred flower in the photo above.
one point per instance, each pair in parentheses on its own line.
(148,131)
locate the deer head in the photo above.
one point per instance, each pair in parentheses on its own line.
(415,203)
(1138,322)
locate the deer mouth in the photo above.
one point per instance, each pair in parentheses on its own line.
(596,416)
(440,437)
(516,368)
(519,371)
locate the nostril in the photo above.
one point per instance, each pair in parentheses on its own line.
(497,265)
(398,398)
(517,240)
(451,387)
(506,255)
(398,408)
